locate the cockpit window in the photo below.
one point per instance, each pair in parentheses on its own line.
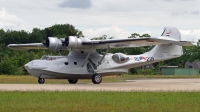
(120,58)
(50,58)
(44,57)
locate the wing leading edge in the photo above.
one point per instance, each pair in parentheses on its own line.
(112,43)
(171,35)
(136,42)
(27,46)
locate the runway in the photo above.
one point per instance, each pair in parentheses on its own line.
(129,85)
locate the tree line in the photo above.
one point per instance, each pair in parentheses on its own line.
(12,61)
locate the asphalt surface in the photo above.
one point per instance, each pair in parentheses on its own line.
(129,85)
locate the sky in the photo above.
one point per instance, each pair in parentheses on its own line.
(118,18)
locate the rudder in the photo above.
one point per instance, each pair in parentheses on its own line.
(171,32)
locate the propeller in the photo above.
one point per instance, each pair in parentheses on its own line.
(66,42)
(47,39)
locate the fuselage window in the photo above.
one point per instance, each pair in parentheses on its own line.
(66,63)
(115,58)
(75,63)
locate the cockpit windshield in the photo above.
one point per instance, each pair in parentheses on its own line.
(50,57)
(44,57)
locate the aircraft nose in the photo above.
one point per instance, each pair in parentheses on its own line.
(26,66)
(34,65)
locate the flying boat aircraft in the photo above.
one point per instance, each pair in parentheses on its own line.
(83,62)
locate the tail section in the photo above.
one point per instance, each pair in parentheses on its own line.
(169,46)
(171,32)
(167,51)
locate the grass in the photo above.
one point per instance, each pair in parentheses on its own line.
(83,101)
(24,79)
(99,101)
(4,79)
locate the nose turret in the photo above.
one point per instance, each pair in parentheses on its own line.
(35,67)
(26,66)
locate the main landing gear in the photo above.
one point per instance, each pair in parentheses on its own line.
(41,80)
(72,81)
(92,67)
(96,78)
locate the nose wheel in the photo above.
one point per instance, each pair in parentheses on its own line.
(96,78)
(41,80)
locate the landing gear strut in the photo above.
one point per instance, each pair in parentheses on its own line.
(92,68)
(96,78)
(72,81)
(41,80)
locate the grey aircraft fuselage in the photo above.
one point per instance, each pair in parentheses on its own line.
(83,62)
(73,66)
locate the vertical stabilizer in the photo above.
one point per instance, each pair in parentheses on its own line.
(171,32)
(168,51)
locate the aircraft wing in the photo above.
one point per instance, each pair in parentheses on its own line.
(101,44)
(136,42)
(27,46)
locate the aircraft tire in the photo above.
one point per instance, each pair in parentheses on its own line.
(72,81)
(96,78)
(41,80)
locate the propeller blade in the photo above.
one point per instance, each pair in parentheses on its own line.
(47,35)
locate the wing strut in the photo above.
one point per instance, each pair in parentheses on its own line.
(87,56)
(99,63)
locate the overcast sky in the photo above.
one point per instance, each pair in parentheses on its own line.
(118,18)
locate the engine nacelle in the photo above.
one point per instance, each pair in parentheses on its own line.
(73,42)
(55,44)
